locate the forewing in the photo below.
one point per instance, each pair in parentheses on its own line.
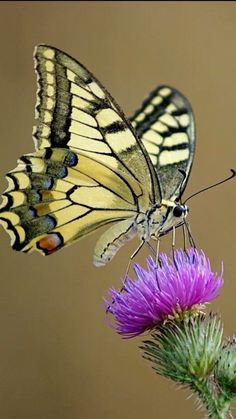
(165,125)
(74,110)
(88,170)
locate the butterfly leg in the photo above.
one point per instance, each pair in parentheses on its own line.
(130,260)
(151,248)
(157,260)
(184,236)
(173,238)
(190,237)
(126,272)
(173,247)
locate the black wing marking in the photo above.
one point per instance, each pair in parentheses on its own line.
(165,124)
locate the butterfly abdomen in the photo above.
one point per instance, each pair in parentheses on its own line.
(112,240)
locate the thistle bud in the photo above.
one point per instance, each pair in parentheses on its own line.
(225,371)
(187,350)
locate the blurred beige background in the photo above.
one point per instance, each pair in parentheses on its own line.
(58,357)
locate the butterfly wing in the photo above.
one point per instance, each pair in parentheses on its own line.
(165,125)
(89,169)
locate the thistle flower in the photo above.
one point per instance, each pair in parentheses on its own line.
(173,289)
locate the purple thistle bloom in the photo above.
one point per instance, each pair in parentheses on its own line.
(168,290)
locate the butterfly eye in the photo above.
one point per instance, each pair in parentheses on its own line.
(178,210)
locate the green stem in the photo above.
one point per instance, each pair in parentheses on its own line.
(217,405)
(224,404)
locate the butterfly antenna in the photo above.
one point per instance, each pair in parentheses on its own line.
(233,174)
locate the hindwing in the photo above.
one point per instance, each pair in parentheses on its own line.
(165,125)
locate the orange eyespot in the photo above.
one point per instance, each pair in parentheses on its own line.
(50,243)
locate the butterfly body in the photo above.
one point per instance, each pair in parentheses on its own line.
(153,224)
(93,167)
(160,219)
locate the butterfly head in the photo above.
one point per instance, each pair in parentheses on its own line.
(163,218)
(174,216)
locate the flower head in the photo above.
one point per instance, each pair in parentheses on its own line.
(169,290)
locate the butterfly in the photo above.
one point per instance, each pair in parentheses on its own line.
(93,166)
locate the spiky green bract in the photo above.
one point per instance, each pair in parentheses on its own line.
(225,370)
(187,349)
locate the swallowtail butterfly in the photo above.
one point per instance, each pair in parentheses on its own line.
(93,166)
